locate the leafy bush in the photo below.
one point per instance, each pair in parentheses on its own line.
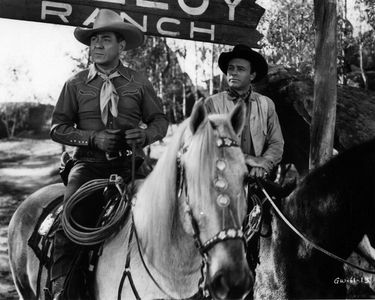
(19,117)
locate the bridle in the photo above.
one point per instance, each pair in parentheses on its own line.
(223,200)
(203,248)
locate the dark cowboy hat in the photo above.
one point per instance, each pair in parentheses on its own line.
(108,20)
(257,61)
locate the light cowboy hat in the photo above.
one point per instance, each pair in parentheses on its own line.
(257,61)
(108,20)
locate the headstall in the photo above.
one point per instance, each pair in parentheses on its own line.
(223,200)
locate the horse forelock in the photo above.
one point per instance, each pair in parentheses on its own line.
(201,163)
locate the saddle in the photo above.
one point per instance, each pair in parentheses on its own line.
(259,214)
(42,243)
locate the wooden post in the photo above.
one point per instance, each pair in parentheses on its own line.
(325,83)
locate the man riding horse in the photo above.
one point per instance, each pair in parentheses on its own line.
(99,111)
(261,140)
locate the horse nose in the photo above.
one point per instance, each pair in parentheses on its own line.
(235,284)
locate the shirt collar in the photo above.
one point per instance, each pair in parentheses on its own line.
(93,71)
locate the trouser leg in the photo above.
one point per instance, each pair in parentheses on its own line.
(65,250)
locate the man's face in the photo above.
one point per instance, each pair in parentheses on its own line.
(239,74)
(105,49)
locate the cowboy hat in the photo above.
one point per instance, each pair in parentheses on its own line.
(257,61)
(108,20)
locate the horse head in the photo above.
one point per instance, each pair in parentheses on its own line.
(210,186)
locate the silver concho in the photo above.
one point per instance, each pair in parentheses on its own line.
(223,200)
(221,165)
(221,183)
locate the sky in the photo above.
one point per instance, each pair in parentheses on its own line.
(41,51)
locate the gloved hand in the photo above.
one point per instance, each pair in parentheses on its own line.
(258,172)
(108,140)
(135,136)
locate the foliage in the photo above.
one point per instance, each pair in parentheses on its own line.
(289,34)
(25,116)
(370,11)
(82,61)
(288,27)
(160,64)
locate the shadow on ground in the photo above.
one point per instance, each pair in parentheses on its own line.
(25,166)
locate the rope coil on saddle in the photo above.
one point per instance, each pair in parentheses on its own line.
(88,236)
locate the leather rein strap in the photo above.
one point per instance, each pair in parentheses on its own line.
(127,271)
(314,245)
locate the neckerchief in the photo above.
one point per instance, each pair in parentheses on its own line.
(108,96)
(235,96)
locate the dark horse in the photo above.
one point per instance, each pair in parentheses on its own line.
(333,206)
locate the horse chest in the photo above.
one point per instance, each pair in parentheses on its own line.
(110,270)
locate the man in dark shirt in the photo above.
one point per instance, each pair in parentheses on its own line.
(102,110)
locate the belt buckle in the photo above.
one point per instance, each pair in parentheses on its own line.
(113,155)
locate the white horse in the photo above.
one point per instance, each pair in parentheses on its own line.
(188,212)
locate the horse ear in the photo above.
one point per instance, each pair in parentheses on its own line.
(198,115)
(237,117)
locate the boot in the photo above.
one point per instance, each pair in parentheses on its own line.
(63,256)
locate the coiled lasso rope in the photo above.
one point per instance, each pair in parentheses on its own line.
(88,236)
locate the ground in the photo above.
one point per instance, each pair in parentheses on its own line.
(25,166)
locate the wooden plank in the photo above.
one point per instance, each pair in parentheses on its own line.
(245,13)
(242,13)
(152,24)
(325,83)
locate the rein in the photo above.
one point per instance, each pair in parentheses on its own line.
(203,248)
(297,232)
(127,272)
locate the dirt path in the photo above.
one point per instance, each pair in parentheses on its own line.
(25,166)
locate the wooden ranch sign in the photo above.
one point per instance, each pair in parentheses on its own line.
(217,21)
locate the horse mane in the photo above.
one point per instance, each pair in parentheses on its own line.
(156,205)
(157,194)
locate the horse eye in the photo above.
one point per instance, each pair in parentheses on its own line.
(213,125)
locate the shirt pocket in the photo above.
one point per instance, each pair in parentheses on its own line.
(88,100)
(129,100)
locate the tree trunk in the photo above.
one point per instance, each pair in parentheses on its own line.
(325,91)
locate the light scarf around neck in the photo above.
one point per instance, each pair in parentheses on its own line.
(108,96)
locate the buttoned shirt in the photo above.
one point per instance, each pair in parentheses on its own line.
(262,134)
(77,112)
